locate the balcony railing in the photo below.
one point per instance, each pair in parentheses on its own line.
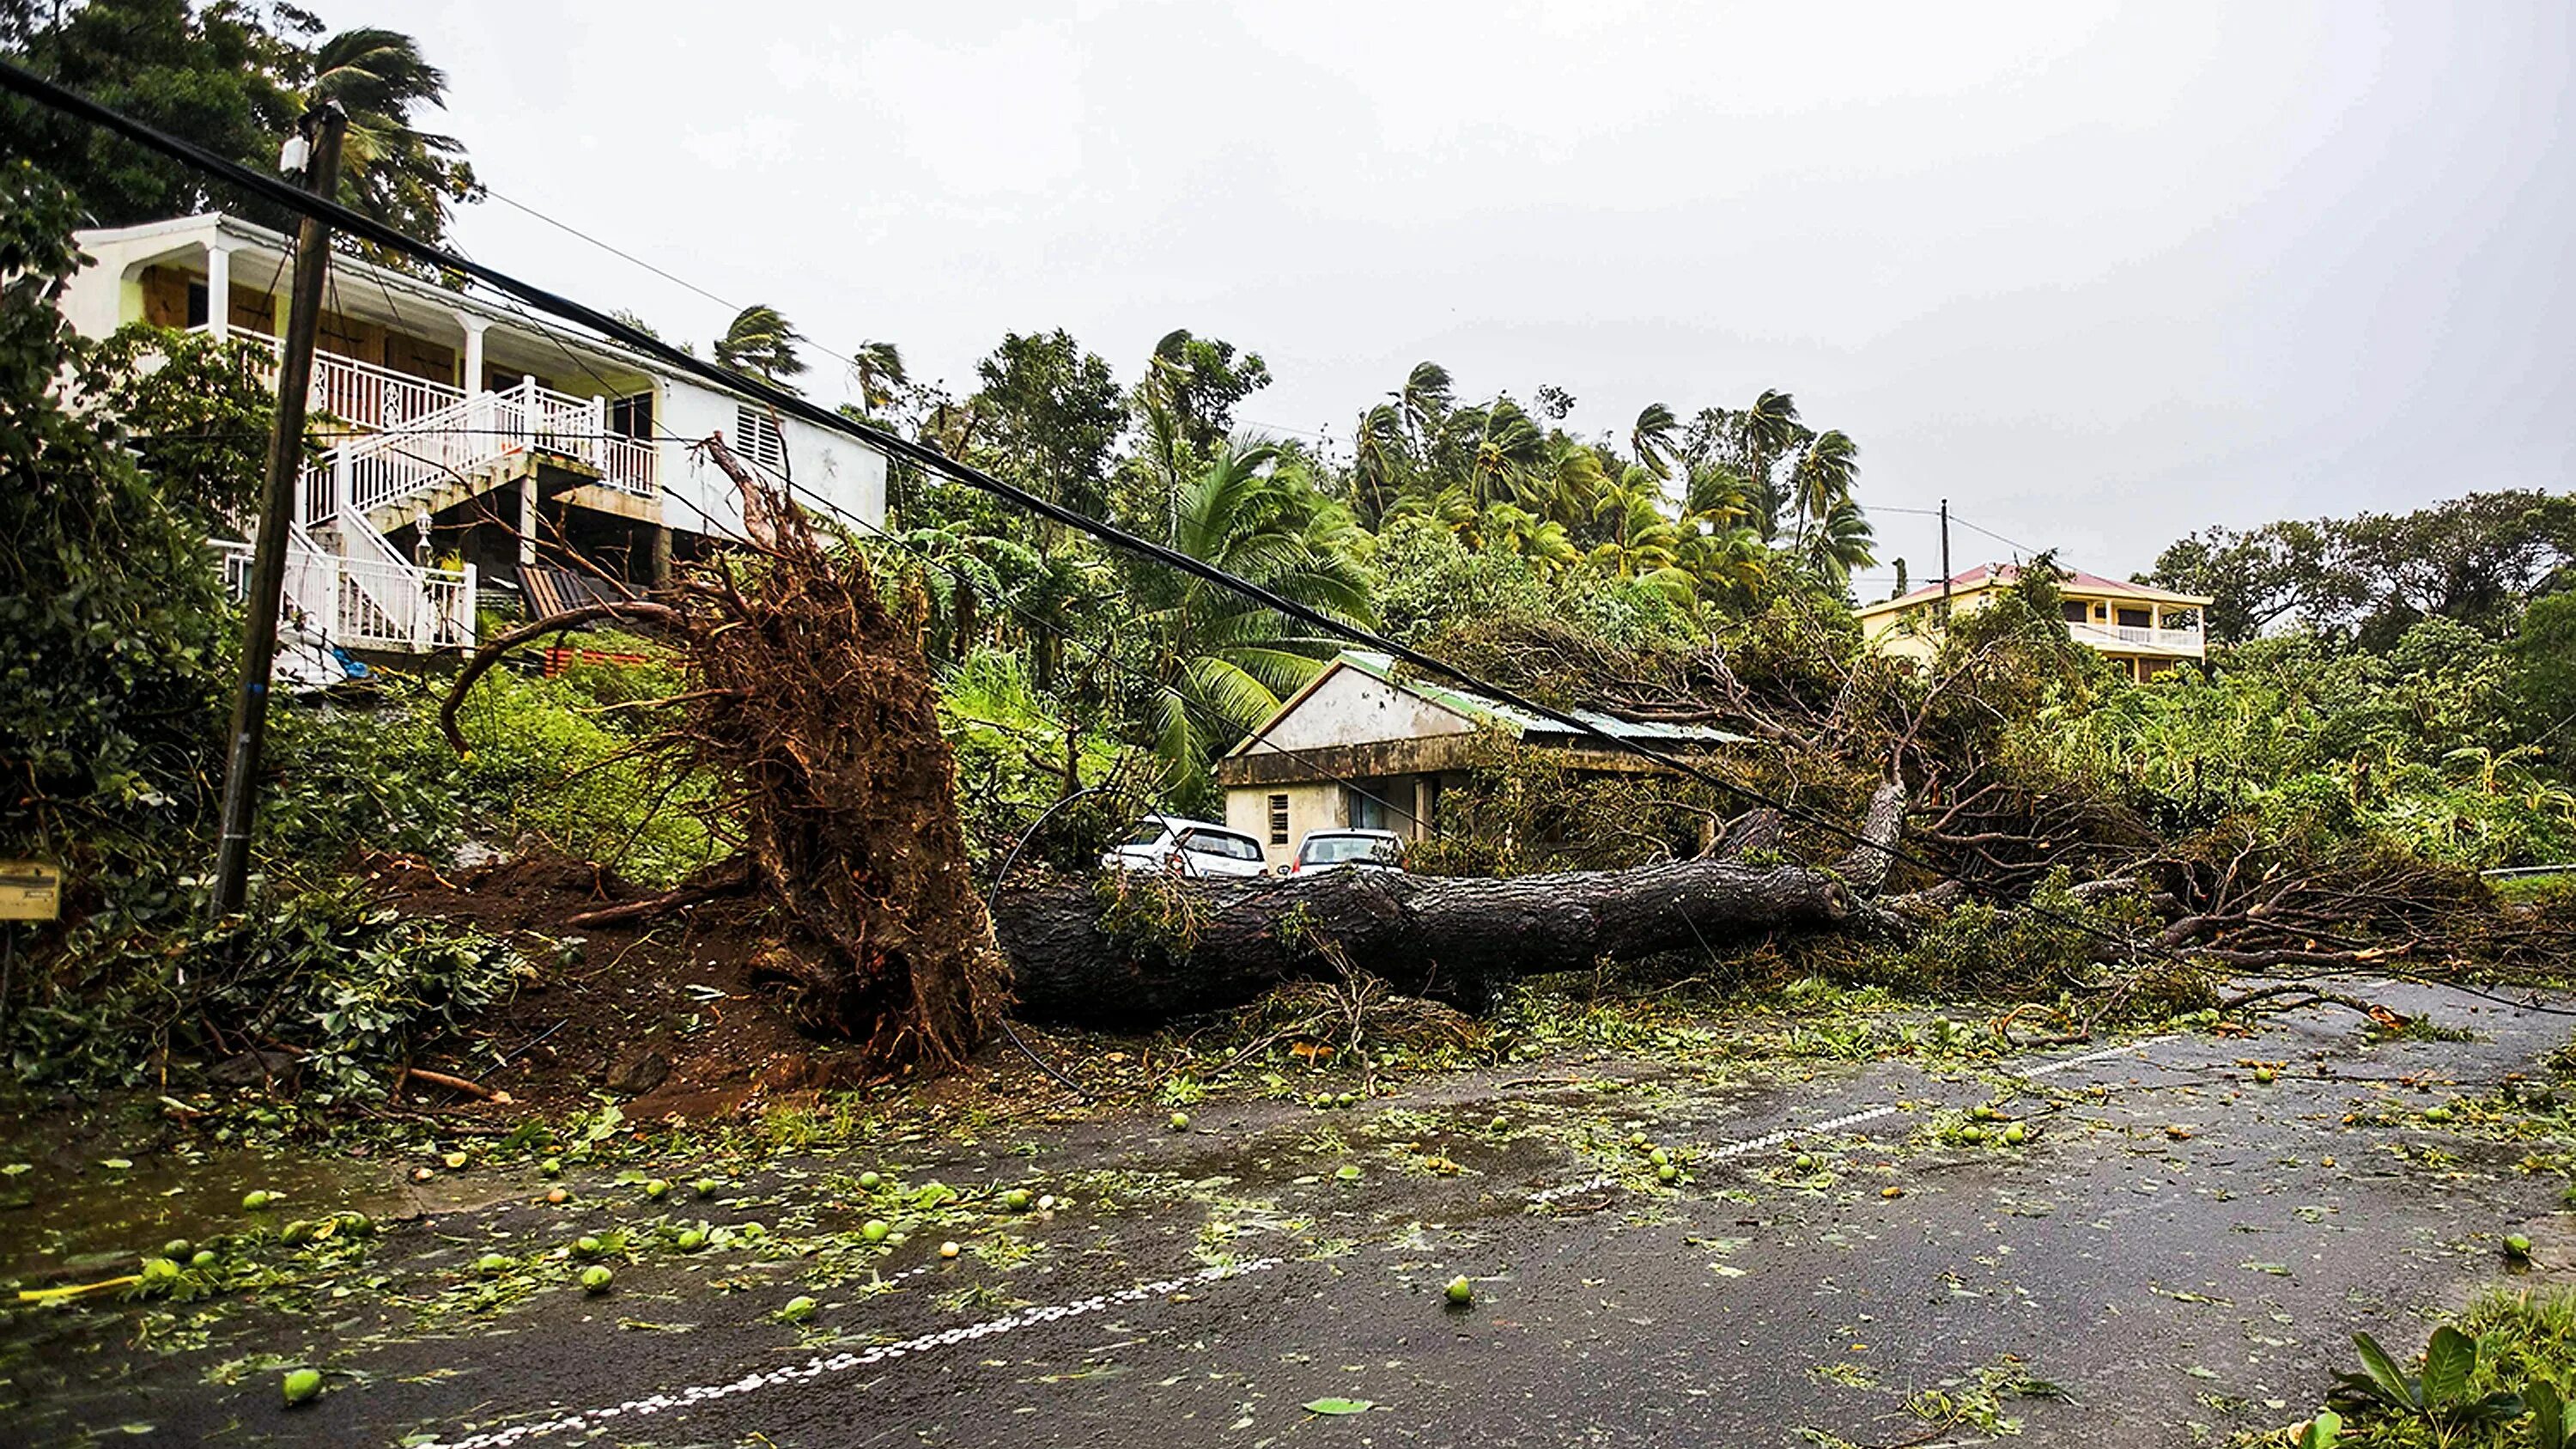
(2130,636)
(379,603)
(360,393)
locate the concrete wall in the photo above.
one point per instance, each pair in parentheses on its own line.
(1352,707)
(1310,807)
(832,473)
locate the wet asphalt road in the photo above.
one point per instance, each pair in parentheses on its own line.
(2180,1253)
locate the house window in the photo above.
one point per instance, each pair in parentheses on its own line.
(632,417)
(1279,820)
(197,304)
(2137,619)
(2072,610)
(755,436)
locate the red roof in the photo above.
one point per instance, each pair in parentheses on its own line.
(2001,575)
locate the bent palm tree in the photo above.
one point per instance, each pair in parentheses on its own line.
(876,369)
(390,169)
(1221,662)
(761,341)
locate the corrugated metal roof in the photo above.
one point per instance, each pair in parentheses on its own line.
(1521,722)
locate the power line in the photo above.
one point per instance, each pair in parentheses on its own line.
(785,403)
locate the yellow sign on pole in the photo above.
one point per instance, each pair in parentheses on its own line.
(30,891)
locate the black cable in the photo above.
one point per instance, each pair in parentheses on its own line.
(293,198)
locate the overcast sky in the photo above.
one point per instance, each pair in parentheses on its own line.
(2098,274)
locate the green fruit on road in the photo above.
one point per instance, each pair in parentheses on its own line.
(551,1167)
(692,1240)
(1347,1173)
(295,1232)
(1180,1121)
(596,1279)
(2266,1075)
(1346,1099)
(1659,1157)
(586,1245)
(300,1387)
(1461,1292)
(2437,1114)
(870,1182)
(1805,1163)
(1972,1134)
(656,1189)
(1983,1113)
(874,1230)
(2517,1246)
(203,1259)
(1017,1199)
(255,1200)
(491,1263)
(1499,1124)
(1667,1173)
(797,1310)
(706,1187)
(2016,1134)
(178,1248)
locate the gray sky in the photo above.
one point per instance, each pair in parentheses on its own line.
(2098,274)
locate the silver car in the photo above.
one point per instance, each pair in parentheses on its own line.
(1347,850)
(1193,848)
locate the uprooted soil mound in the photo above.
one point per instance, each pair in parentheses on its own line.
(687,1013)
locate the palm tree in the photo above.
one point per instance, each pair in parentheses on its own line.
(1652,439)
(1507,448)
(876,369)
(1823,477)
(1842,541)
(391,170)
(1222,663)
(761,341)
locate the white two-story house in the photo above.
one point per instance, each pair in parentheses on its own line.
(467,442)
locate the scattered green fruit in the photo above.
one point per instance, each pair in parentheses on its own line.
(301,1386)
(1346,1099)
(1348,1173)
(693,1239)
(596,1278)
(1461,1292)
(657,1189)
(203,1258)
(1805,1162)
(454,1159)
(797,1310)
(2266,1075)
(1180,1121)
(1659,1157)
(1667,1173)
(2517,1246)
(874,1230)
(870,1181)
(2016,1134)
(2437,1114)
(491,1263)
(1017,1199)
(1972,1134)
(1499,1124)
(255,1200)
(1638,1141)
(1982,1112)
(895,1240)
(586,1245)
(706,1187)
(177,1248)
(298,1231)
(551,1167)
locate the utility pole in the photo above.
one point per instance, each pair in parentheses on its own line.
(1945,563)
(316,144)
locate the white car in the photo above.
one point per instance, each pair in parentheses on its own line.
(1347,850)
(1187,847)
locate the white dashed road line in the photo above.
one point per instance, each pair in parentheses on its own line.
(2104,1055)
(820,1366)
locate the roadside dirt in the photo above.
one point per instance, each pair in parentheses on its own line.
(679,1016)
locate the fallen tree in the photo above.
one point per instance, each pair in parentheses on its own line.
(812,705)
(1129,950)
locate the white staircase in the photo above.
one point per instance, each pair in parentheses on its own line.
(431,447)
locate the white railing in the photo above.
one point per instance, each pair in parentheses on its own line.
(2130,636)
(359,392)
(628,464)
(374,602)
(467,437)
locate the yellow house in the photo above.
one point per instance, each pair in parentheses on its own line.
(2142,629)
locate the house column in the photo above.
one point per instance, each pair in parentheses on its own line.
(219,289)
(528,518)
(472,382)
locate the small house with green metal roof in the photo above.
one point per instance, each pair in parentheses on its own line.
(1362,748)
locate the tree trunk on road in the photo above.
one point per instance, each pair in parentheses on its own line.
(1145,949)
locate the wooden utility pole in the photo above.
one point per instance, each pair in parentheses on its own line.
(319,133)
(1945,563)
